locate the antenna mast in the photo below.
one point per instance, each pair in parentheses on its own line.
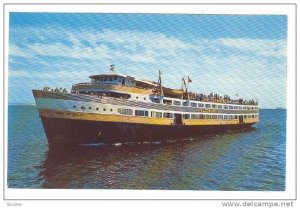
(112,68)
(160,85)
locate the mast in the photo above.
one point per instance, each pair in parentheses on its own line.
(185,88)
(160,84)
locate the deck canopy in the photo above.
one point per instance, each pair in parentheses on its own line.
(146,84)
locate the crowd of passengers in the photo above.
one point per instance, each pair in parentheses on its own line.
(216,98)
(56,89)
(212,97)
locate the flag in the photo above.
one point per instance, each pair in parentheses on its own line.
(189,80)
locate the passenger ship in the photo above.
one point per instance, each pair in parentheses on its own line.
(116,108)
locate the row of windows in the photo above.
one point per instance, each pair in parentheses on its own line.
(138,97)
(141,113)
(125,111)
(202,116)
(113,79)
(155,114)
(202,105)
(90,108)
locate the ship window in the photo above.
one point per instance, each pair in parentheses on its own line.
(195,116)
(252,116)
(200,105)
(74,106)
(202,116)
(115,77)
(168,115)
(137,97)
(220,116)
(90,108)
(235,117)
(82,107)
(186,116)
(178,103)
(194,105)
(156,114)
(101,79)
(111,110)
(144,98)
(208,116)
(185,104)
(214,106)
(207,105)
(97,108)
(155,100)
(125,111)
(214,116)
(220,106)
(225,117)
(110,78)
(104,78)
(104,109)
(235,107)
(168,102)
(225,106)
(230,116)
(141,113)
(230,107)
(245,116)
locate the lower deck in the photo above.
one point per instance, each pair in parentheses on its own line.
(75,131)
(175,119)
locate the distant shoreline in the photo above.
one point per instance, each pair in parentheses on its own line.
(26,104)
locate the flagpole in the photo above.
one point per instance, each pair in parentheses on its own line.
(188,82)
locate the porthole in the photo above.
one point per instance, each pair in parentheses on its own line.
(137,97)
(82,107)
(104,109)
(97,108)
(74,106)
(111,110)
(90,108)
(144,98)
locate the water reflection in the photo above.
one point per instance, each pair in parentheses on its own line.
(184,164)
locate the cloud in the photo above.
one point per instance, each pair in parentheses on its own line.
(261,47)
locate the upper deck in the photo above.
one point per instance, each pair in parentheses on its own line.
(123,86)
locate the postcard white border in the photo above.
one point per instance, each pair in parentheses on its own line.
(260,9)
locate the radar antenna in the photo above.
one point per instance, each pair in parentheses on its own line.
(112,68)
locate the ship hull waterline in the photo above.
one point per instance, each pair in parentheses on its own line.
(72,131)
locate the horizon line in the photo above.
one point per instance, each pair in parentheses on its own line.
(34,104)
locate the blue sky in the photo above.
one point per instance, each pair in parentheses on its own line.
(226,54)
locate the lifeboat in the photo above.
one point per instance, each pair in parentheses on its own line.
(173,92)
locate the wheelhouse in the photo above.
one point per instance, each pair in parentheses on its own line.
(117,79)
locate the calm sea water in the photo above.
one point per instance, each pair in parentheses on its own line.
(249,160)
